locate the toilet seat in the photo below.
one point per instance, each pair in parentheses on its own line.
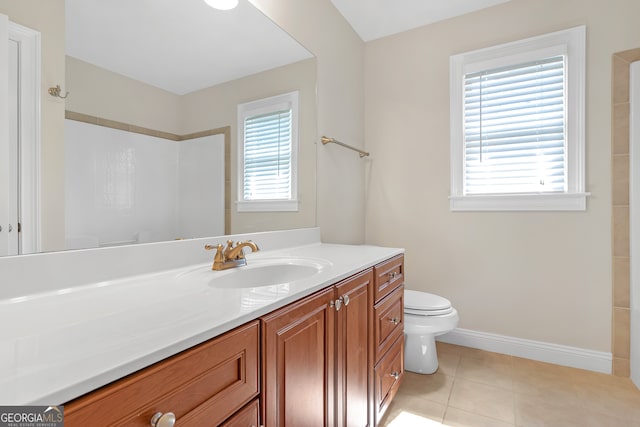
(425,304)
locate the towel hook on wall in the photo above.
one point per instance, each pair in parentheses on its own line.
(55,92)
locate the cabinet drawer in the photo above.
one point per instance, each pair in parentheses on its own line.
(247,417)
(388,376)
(388,275)
(389,321)
(201,386)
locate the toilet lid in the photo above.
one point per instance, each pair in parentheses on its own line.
(425,303)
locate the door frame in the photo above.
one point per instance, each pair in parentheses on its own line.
(29,61)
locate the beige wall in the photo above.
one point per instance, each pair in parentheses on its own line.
(47,17)
(540,276)
(101,93)
(339,51)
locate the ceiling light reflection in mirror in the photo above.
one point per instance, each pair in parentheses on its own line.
(222,4)
(180,46)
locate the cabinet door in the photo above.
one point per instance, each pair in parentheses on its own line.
(298,363)
(353,340)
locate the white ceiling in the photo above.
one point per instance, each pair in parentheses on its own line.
(183,46)
(373,19)
(180,46)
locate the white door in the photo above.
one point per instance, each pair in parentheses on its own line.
(19,138)
(27,122)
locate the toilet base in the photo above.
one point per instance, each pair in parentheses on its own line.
(420,354)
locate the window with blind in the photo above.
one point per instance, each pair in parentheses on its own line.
(517,131)
(267,151)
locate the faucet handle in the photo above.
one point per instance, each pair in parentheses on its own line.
(228,249)
(219,256)
(210,247)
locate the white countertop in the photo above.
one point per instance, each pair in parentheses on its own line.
(58,345)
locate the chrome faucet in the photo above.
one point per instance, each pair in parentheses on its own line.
(231,256)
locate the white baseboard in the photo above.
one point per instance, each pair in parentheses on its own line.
(574,357)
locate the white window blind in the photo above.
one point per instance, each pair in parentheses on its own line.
(518,125)
(514,129)
(267,156)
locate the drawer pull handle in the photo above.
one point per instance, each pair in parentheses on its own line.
(163,420)
(393,275)
(394,320)
(395,375)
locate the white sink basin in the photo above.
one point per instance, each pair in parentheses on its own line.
(260,273)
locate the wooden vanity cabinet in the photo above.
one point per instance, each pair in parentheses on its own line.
(334,358)
(316,365)
(202,386)
(388,333)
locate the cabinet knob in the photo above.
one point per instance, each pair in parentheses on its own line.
(395,374)
(343,300)
(394,320)
(163,420)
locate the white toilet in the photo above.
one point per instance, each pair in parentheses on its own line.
(425,317)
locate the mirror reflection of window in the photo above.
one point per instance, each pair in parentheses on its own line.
(267,149)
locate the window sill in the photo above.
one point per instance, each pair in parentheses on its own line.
(268,206)
(520,202)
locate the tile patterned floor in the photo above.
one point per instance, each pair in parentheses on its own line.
(475,388)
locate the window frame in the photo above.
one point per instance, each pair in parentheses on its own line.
(259,107)
(572,44)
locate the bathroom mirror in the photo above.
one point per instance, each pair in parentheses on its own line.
(127,74)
